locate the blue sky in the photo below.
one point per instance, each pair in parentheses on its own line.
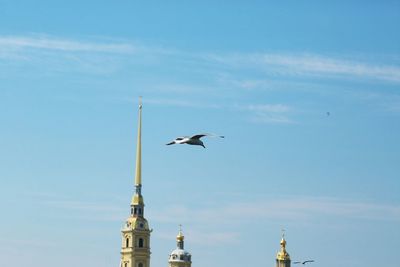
(264,74)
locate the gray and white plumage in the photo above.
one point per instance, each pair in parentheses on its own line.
(192,140)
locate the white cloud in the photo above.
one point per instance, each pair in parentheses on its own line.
(307,65)
(223,219)
(270,113)
(324,65)
(296,209)
(267,64)
(87,210)
(179,103)
(264,113)
(270,108)
(209,237)
(48,43)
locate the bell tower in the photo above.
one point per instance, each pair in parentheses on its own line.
(179,257)
(135,251)
(283,258)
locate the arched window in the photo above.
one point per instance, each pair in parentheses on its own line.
(140,264)
(127,242)
(141,242)
(126,264)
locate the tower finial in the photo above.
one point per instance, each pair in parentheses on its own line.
(180,238)
(283,241)
(138,174)
(282,254)
(180,235)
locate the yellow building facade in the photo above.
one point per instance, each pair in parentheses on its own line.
(135,245)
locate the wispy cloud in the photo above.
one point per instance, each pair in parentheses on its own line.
(264,113)
(58,55)
(274,108)
(82,206)
(208,237)
(222,219)
(87,210)
(180,103)
(103,211)
(278,63)
(48,43)
(267,64)
(257,113)
(270,113)
(307,65)
(325,65)
(296,209)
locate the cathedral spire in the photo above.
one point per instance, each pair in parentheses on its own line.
(138,173)
(135,250)
(137,198)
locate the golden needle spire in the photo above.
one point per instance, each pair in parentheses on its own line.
(138,174)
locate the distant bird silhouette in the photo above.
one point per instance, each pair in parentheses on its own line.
(192,140)
(328,113)
(303,262)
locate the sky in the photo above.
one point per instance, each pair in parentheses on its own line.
(306,93)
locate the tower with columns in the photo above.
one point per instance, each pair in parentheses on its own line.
(179,257)
(135,250)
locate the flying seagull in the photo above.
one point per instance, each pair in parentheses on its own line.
(192,140)
(303,262)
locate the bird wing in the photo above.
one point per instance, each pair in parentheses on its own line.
(198,136)
(296,262)
(308,261)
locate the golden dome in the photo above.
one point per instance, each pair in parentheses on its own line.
(180,236)
(137,200)
(282,254)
